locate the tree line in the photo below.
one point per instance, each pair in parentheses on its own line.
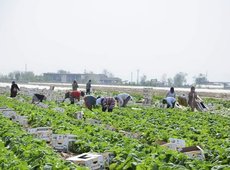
(179,80)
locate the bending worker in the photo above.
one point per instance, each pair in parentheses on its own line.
(170,101)
(74,95)
(122,99)
(90,102)
(107,103)
(38,98)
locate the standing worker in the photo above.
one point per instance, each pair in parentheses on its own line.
(88,87)
(14,89)
(74,85)
(192,98)
(194,101)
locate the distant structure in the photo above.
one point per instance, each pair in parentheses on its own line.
(81,78)
(220,85)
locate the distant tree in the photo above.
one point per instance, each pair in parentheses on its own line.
(88,72)
(39,78)
(11,75)
(107,73)
(180,79)
(154,82)
(170,82)
(63,72)
(164,79)
(143,80)
(22,76)
(17,75)
(27,76)
(201,79)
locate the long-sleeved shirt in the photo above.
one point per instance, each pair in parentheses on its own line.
(121,98)
(88,85)
(74,86)
(14,87)
(170,94)
(90,101)
(170,101)
(108,102)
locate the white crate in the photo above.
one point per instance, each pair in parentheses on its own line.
(93,121)
(147,92)
(11,114)
(79,115)
(193,152)
(3,108)
(108,157)
(44,133)
(59,109)
(42,105)
(174,144)
(91,160)
(22,120)
(178,142)
(62,142)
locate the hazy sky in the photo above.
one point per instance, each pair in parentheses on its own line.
(156,37)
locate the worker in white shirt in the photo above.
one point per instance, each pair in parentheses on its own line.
(171,93)
(122,99)
(170,101)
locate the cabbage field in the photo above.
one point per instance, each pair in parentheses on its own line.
(131,134)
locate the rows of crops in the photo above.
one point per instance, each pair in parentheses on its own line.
(211,131)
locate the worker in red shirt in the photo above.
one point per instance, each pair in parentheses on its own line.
(74,95)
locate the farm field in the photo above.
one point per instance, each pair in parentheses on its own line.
(131,134)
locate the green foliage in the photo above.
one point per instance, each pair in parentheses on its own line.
(137,149)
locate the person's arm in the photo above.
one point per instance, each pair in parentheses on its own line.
(167,94)
(169,102)
(198,97)
(112,103)
(120,101)
(104,102)
(17,87)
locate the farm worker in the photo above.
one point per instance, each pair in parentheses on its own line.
(14,89)
(194,101)
(122,99)
(74,85)
(107,103)
(90,101)
(88,87)
(74,95)
(38,98)
(171,93)
(170,101)
(192,97)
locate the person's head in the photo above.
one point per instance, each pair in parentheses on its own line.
(90,81)
(164,101)
(192,89)
(116,98)
(74,81)
(98,100)
(13,82)
(67,95)
(172,89)
(82,93)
